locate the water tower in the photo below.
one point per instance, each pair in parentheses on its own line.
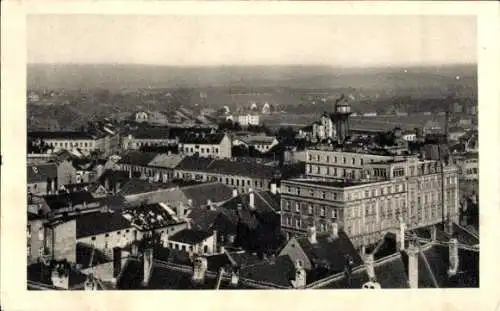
(341,116)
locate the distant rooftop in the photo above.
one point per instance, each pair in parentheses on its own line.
(328,183)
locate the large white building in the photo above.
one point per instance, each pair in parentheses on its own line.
(248,119)
(216,145)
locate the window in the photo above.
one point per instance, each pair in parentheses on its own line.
(311,193)
(310,157)
(323,195)
(318,169)
(361,161)
(353,161)
(184,247)
(297,207)
(317,158)
(310,209)
(106,235)
(335,196)
(322,211)
(327,158)
(93,238)
(118,232)
(344,160)
(205,249)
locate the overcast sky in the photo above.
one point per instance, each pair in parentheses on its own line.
(258,40)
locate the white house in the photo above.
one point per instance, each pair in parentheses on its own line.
(216,145)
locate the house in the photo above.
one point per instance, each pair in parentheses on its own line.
(241,175)
(148,137)
(322,254)
(42,178)
(217,145)
(261,143)
(136,163)
(195,242)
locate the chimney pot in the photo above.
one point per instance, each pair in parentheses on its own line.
(370,270)
(274,189)
(413,254)
(235,193)
(251,197)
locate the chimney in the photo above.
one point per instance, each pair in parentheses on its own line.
(148,265)
(274,188)
(60,276)
(106,183)
(130,173)
(413,254)
(433,233)
(135,250)
(235,277)
(118,187)
(251,198)
(215,235)
(335,230)
(209,204)
(454,260)
(370,270)
(199,269)
(300,275)
(402,229)
(312,235)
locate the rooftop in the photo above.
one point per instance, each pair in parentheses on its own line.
(202,139)
(191,236)
(328,183)
(91,224)
(41,172)
(166,160)
(61,135)
(137,158)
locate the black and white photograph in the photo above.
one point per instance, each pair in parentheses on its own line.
(304,152)
(251,152)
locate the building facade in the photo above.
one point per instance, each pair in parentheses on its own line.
(408,191)
(248,119)
(206,146)
(329,163)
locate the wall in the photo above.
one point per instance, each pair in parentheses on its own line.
(38,188)
(34,239)
(107,241)
(64,241)
(66,173)
(293,249)
(196,249)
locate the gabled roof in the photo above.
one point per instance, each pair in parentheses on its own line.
(40,172)
(331,252)
(194,164)
(200,194)
(90,224)
(207,139)
(137,158)
(190,236)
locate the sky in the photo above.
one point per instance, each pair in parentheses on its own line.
(349,41)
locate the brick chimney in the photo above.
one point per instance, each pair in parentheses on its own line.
(312,235)
(235,193)
(199,269)
(251,198)
(454,259)
(300,275)
(413,253)
(370,270)
(148,265)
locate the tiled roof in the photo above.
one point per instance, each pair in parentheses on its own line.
(90,224)
(391,273)
(194,164)
(207,139)
(114,177)
(239,168)
(331,252)
(151,216)
(58,201)
(166,160)
(279,271)
(190,236)
(151,133)
(171,196)
(137,158)
(242,258)
(203,219)
(40,172)
(257,139)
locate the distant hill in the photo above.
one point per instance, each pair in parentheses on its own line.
(132,77)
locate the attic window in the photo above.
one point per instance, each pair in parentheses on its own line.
(292,245)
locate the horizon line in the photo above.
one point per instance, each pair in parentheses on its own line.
(258,65)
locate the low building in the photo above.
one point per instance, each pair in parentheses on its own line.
(216,145)
(194,242)
(261,143)
(136,163)
(241,175)
(148,137)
